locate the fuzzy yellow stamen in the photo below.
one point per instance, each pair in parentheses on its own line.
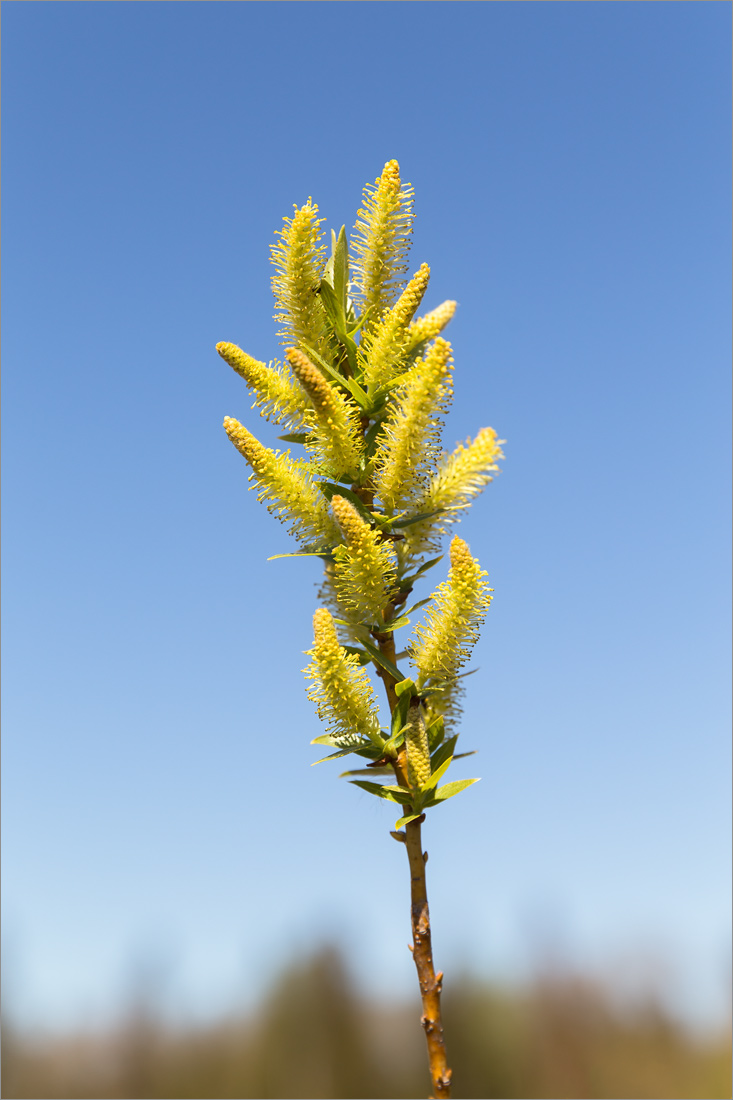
(342,690)
(443,644)
(381,241)
(287,488)
(365,568)
(277,396)
(336,425)
(384,349)
(298,258)
(425,328)
(461,476)
(411,438)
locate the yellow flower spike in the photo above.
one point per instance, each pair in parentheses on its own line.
(287,488)
(416,744)
(298,258)
(443,643)
(385,347)
(337,439)
(341,691)
(277,396)
(365,569)
(425,328)
(460,476)
(411,438)
(381,241)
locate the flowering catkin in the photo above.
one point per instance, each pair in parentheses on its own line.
(411,437)
(335,427)
(287,488)
(364,572)
(341,688)
(298,259)
(442,645)
(277,396)
(380,242)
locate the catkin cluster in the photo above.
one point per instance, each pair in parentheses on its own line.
(364,389)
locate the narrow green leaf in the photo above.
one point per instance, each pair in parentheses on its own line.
(295,437)
(438,775)
(451,789)
(417,519)
(380,659)
(330,490)
(330,739)
(420,603)
(407,582)
(356,391)
(407,685)
(335,755)
(325,555)
(392,794)
(386,770)
(394,624)
(444,752)
(436,733)
(404,820)
(340,281)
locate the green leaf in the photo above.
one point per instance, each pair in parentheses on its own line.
(404,820)
(325,555)
(335,755)
(436,732)
(420,603)
(393,624)
(333,307)
(385,663)
(359,394)
(392,794)
(451,789)
(407,582)
(340,270)
(445,752)
(403,686)
(418,519)
(386,770)
(295,437)
(330,490)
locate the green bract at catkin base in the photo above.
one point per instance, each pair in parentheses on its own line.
(364,389)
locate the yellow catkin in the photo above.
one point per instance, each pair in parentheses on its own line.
(287,488)
(365,569)
(425,328)
(336,436)
(341,688)
(298,258)
(442,645)
(380,242)
(416,744)
(384,350)
(411,439)
(277,396)
(459,478)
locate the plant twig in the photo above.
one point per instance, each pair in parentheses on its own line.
(431,984)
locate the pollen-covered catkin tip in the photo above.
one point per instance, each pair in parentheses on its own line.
(459,552)
(323,628)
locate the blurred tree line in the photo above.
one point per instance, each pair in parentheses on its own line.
(315,1036)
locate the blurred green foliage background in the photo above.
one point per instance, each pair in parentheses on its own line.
(315,1035)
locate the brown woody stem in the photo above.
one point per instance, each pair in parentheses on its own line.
(422,951)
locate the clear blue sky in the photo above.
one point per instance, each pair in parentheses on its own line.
(571,163)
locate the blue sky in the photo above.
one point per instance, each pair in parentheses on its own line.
(571,165)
